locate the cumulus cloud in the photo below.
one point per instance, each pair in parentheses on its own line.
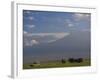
(31,39)
(81,16)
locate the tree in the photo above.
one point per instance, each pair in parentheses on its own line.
(79,60)
(63,61)
(31,65)
(71,60)
(35,63)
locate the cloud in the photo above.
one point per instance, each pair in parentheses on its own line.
(69,23)
(57,35)
(34,42)
(25,32)
(27,12)
(60,35)
(30,26)
(31,18)
(81,16)
(31,39)
(30,42)
(79,21)
(26,42)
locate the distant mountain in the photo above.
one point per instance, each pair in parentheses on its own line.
(77,44)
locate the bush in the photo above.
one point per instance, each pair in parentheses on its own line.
(31,65)
(63,61)
(71,60)
(79,60)
(35,63)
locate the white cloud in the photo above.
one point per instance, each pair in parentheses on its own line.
(30,26)
(28,42)
(27,12)
(81,16)
(25,32)
(60,35)
(34,42)
(57,35)
(31,39)
(69,23)
(31,18)
(50,41)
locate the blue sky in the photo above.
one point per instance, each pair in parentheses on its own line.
(43,21)
(39,23)
(47,27)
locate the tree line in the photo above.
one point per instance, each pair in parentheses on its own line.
(63,61)
(72,60)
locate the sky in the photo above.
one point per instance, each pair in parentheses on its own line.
(53,35)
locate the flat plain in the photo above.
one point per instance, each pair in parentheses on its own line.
(56,64)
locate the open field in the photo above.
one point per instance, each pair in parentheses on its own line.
(55,64)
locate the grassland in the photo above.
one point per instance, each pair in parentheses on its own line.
(56,64)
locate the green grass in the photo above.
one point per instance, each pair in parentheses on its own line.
(55,64)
